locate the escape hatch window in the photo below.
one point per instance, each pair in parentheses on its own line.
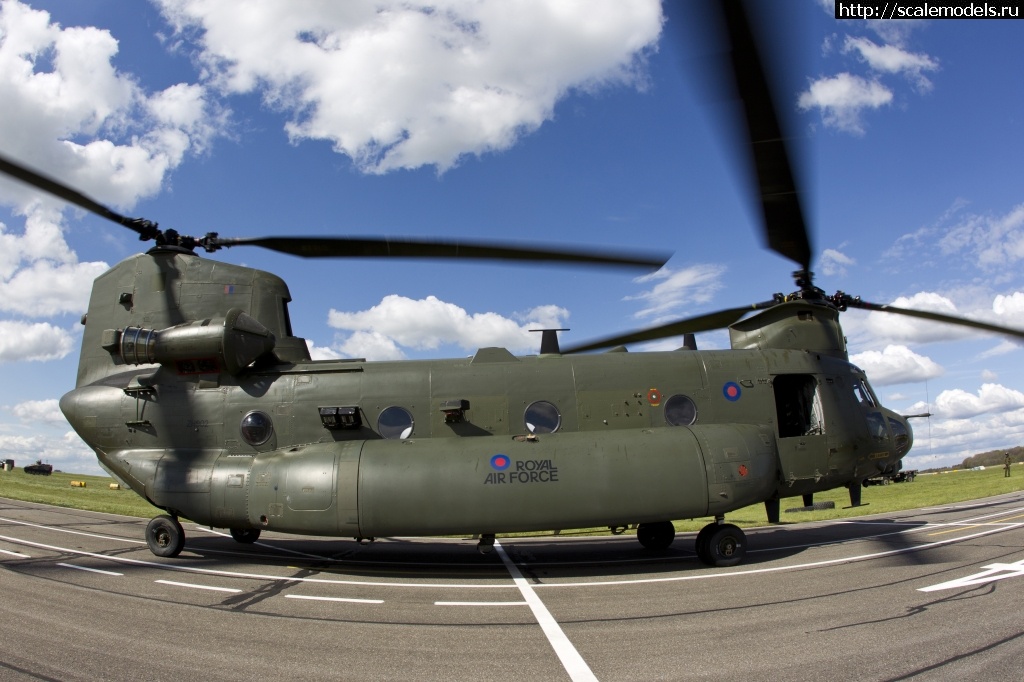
(863,393)
(680,410)
(798,405)
(542,417)
(395,422)
(256,428)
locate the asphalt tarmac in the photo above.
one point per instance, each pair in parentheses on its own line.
(928,594)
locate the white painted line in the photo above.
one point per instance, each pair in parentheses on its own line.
(991,573)
(198,587)
(480,603)
(74,532)
(17,554)
(571,660)
(347,600)
(86,568)
(263,544)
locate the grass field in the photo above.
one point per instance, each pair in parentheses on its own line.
(926,491)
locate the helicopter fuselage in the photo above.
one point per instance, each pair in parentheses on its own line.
(186,396)
(491,443)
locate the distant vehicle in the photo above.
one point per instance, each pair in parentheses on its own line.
(39,469)
(895,477)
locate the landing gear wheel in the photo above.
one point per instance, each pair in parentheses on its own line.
(701,545)
(656,536)
(246,536)
(726,545)
(165,536)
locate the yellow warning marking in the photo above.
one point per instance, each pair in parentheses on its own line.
(976,525)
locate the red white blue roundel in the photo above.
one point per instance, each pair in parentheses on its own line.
(500,462)
(731,391)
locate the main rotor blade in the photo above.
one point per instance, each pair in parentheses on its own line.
(381,247)
(146,229)
(784,225)
(935,317)
(701,323)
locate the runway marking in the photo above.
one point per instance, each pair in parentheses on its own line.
(73,532)
(571,660)
(607,583)
(263,544)
(349,600)
(991,573)
(197,587)
(17,554)
(90,570)
(960,525)
(480,603)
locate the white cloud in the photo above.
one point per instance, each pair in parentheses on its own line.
(842,98)
(321,352)
(371,346)
(833,262)
(896,365)
(45,288)
(892,59)
(66,451)
(991,398)
(35,411)
(995,242)
(71,114)
(883,327)
(39,341)
(397,84)
(429,323)
(693,285)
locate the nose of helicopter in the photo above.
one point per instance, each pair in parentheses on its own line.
(902,434)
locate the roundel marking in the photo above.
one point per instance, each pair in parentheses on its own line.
(654,397)
(731,391)
(500,462)
(743,471)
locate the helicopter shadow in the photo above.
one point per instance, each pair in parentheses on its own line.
(554,557)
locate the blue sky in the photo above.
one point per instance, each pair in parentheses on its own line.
(541,122)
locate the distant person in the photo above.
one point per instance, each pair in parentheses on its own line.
(1006,465)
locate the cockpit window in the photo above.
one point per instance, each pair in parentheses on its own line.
(863,393)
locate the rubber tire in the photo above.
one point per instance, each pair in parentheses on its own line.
(656,536)
(165,536)
(701,543)
(246,536)
(726,546)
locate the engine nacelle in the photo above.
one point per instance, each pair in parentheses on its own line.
(216,344)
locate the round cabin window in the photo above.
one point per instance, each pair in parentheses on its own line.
(542,417)
(395,422)
(256,428)
(680,410)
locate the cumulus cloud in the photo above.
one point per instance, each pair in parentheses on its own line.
(428,323)
(833,262)
(896,365)
(396,84)
(39,341)
(990,398)
(321,352)
(65,451)
(842,98)
(36,411)
(71,114)
(889,327)
(893,59)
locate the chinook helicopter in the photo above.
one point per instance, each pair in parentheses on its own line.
(194,392)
